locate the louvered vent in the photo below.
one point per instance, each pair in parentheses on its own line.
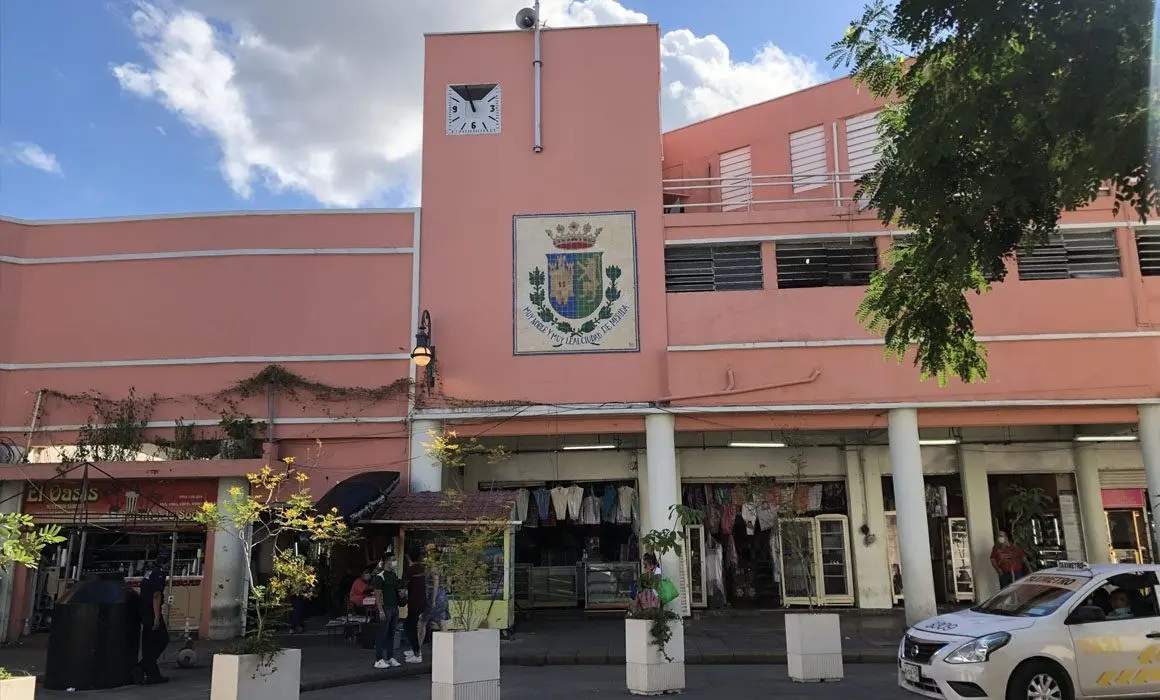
(1072,255)
(736,180)
(1148,249)
(862,151)
(716,268)
(826,263)
(807,158)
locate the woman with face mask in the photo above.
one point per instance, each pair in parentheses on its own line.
(1121,606)
(1009,560)
(387,584)
(361,591)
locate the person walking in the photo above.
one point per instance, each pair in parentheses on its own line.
(416,576)
(387,604)
(1009,560)
(154,633)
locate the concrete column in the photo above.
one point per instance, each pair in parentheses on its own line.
(10,503)
(980,524)
(871,561)
(642,490)
(910,505)
(227,577)
(663,487)
(426,473)
(1150,448)
(1096,543)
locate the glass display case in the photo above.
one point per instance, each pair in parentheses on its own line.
(608,586)
(959,579)
(815,559)
(552,587)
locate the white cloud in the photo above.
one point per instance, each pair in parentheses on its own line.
(325,98)
(34,156)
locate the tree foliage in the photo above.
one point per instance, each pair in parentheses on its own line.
(1003,114)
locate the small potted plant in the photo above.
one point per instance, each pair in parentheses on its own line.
(654,635)
(240,435)
(21,543)
(278,504)
(465,654)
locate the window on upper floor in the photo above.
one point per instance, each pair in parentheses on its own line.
(1148,250)
(862,147)
(736,180)
(826,263)
(713,268)
(807,158)
(1072,255)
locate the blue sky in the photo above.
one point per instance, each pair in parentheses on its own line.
(120,153)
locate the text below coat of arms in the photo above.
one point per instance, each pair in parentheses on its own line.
(575,283)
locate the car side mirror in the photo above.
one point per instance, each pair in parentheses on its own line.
(1085,614)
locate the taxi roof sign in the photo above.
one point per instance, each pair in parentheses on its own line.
(1075,565)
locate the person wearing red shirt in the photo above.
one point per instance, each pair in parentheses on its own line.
(360,590)
(1009,560)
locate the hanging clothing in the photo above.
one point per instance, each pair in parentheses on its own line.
(533,519)
(815,498)
(590,511)
(543,498)
(575,499)
(522,497)
(714,570)
(624,504)
(560,502)
(634,513)
(749,515)
(728,517)
(722,493)
(766,517)
(608,505)
(731,551)
(713,518)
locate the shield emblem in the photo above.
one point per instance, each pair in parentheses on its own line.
(575,283)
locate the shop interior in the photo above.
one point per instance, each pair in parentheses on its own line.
(950,548)
(1039,509)
(1129,525)
(765,545)
(578,546)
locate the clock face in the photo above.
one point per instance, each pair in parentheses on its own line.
(473,109)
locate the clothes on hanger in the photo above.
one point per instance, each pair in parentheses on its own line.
(714,570)
(590,510)
(766,517)
(634,513)
(624,505)
(608,504)
(575,499)
(749,515)
(713,518)
(543,497)
(728,517)
(533,519)
(560,496)
(522,498)
(722,493)
(814,498)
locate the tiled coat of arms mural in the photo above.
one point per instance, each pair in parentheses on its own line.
(575,283)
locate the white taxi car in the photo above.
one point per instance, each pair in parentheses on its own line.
(1072,631)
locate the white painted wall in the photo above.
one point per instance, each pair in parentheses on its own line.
(533,467)
(871,561)
(736,463)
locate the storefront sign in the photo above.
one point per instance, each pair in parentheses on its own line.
(1123,498)
(116,500)
(575,283)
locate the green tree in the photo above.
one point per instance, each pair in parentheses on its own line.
(1003,114)
(21,543)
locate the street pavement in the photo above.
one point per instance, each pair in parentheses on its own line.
(877,681)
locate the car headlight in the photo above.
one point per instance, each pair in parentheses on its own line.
(978,650)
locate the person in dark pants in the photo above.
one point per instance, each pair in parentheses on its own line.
(387,603)
(298,614)
(416,577)
(154,633)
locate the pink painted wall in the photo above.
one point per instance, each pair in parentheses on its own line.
(601,125)
(269,307)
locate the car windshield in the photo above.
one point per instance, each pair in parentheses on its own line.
(1034,596)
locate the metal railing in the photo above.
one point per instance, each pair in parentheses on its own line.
(763,192)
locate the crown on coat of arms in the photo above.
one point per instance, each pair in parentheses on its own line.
(573,236)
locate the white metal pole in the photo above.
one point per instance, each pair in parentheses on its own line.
(537,65)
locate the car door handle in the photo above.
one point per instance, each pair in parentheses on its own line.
(1153,635)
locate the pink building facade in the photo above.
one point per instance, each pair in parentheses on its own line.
(645,318)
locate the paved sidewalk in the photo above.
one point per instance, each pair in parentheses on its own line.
(735,637)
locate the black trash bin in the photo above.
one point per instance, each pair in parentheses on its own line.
(94,637)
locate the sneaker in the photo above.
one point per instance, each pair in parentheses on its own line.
(407,656)
(414,659)
(393,662)
(381,664)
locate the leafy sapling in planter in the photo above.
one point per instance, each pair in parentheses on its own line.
(277,510)
(655,591)
(21,542)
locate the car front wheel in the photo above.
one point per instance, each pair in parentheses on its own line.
(1039,680)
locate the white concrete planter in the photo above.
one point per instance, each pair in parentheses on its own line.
(646,670)
(18,688)
(814,647)
(238,677)
(465,665)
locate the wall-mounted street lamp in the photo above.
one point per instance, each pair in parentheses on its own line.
(424,353)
